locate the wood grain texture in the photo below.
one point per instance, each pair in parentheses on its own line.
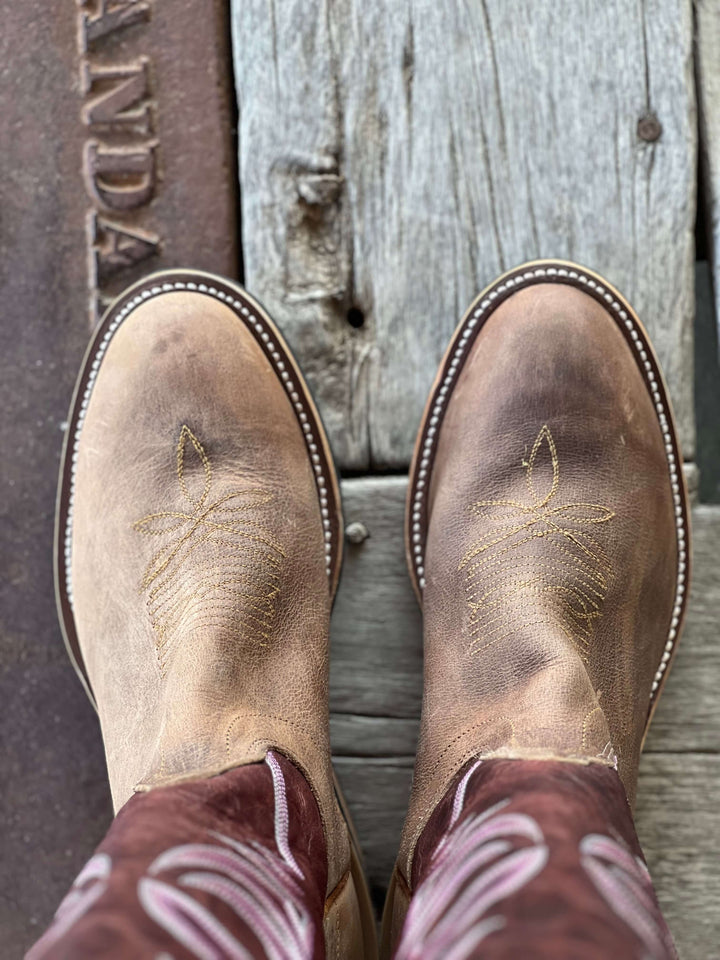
(688,716)
(376,662)
(397,157)
(707,72)
(678,822)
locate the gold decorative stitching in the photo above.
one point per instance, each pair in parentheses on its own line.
(458,762)
(566,588)
(219,565)
(297,727)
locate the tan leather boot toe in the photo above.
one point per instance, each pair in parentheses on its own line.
(198,552)
(547,536)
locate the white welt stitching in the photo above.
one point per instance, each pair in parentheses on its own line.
(293,389)
(442,396)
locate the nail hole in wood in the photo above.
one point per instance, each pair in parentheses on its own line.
(355,317)
(649,128)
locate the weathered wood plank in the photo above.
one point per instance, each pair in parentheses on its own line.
(707,60)
(376,662)
(295,239)
(688,716)
(377,791)
(707,386)
(363,736)
(377,634)
(678,821)
(396,157)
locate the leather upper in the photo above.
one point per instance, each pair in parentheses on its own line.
(551,557)
(201,599)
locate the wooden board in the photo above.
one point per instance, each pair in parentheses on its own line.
(707,59)
(376,692)
(394,158)
(678,822)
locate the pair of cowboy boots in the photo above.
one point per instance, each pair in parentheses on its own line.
(200,544)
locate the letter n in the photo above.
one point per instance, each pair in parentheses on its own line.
(122,94)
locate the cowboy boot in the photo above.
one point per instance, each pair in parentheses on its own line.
(198,552)
(547,539)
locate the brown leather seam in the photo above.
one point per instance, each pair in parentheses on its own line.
(402,882)
(463,733)
(425,813)
(337,891)
(197,774)
(268,716)
(542,757)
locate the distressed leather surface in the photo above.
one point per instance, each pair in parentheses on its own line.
(201,598)
(344,934)
(551,553)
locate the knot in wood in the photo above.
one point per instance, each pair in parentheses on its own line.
(319,189)
(356,532)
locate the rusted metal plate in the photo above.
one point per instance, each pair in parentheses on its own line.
(116,158)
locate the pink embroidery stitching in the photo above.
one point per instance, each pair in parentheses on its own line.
(264,889)
(624,883)
(473,868)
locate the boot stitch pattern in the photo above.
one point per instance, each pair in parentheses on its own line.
(247,598)
(574,604)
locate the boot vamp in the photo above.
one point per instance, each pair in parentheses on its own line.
(550,554)
(200,593)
